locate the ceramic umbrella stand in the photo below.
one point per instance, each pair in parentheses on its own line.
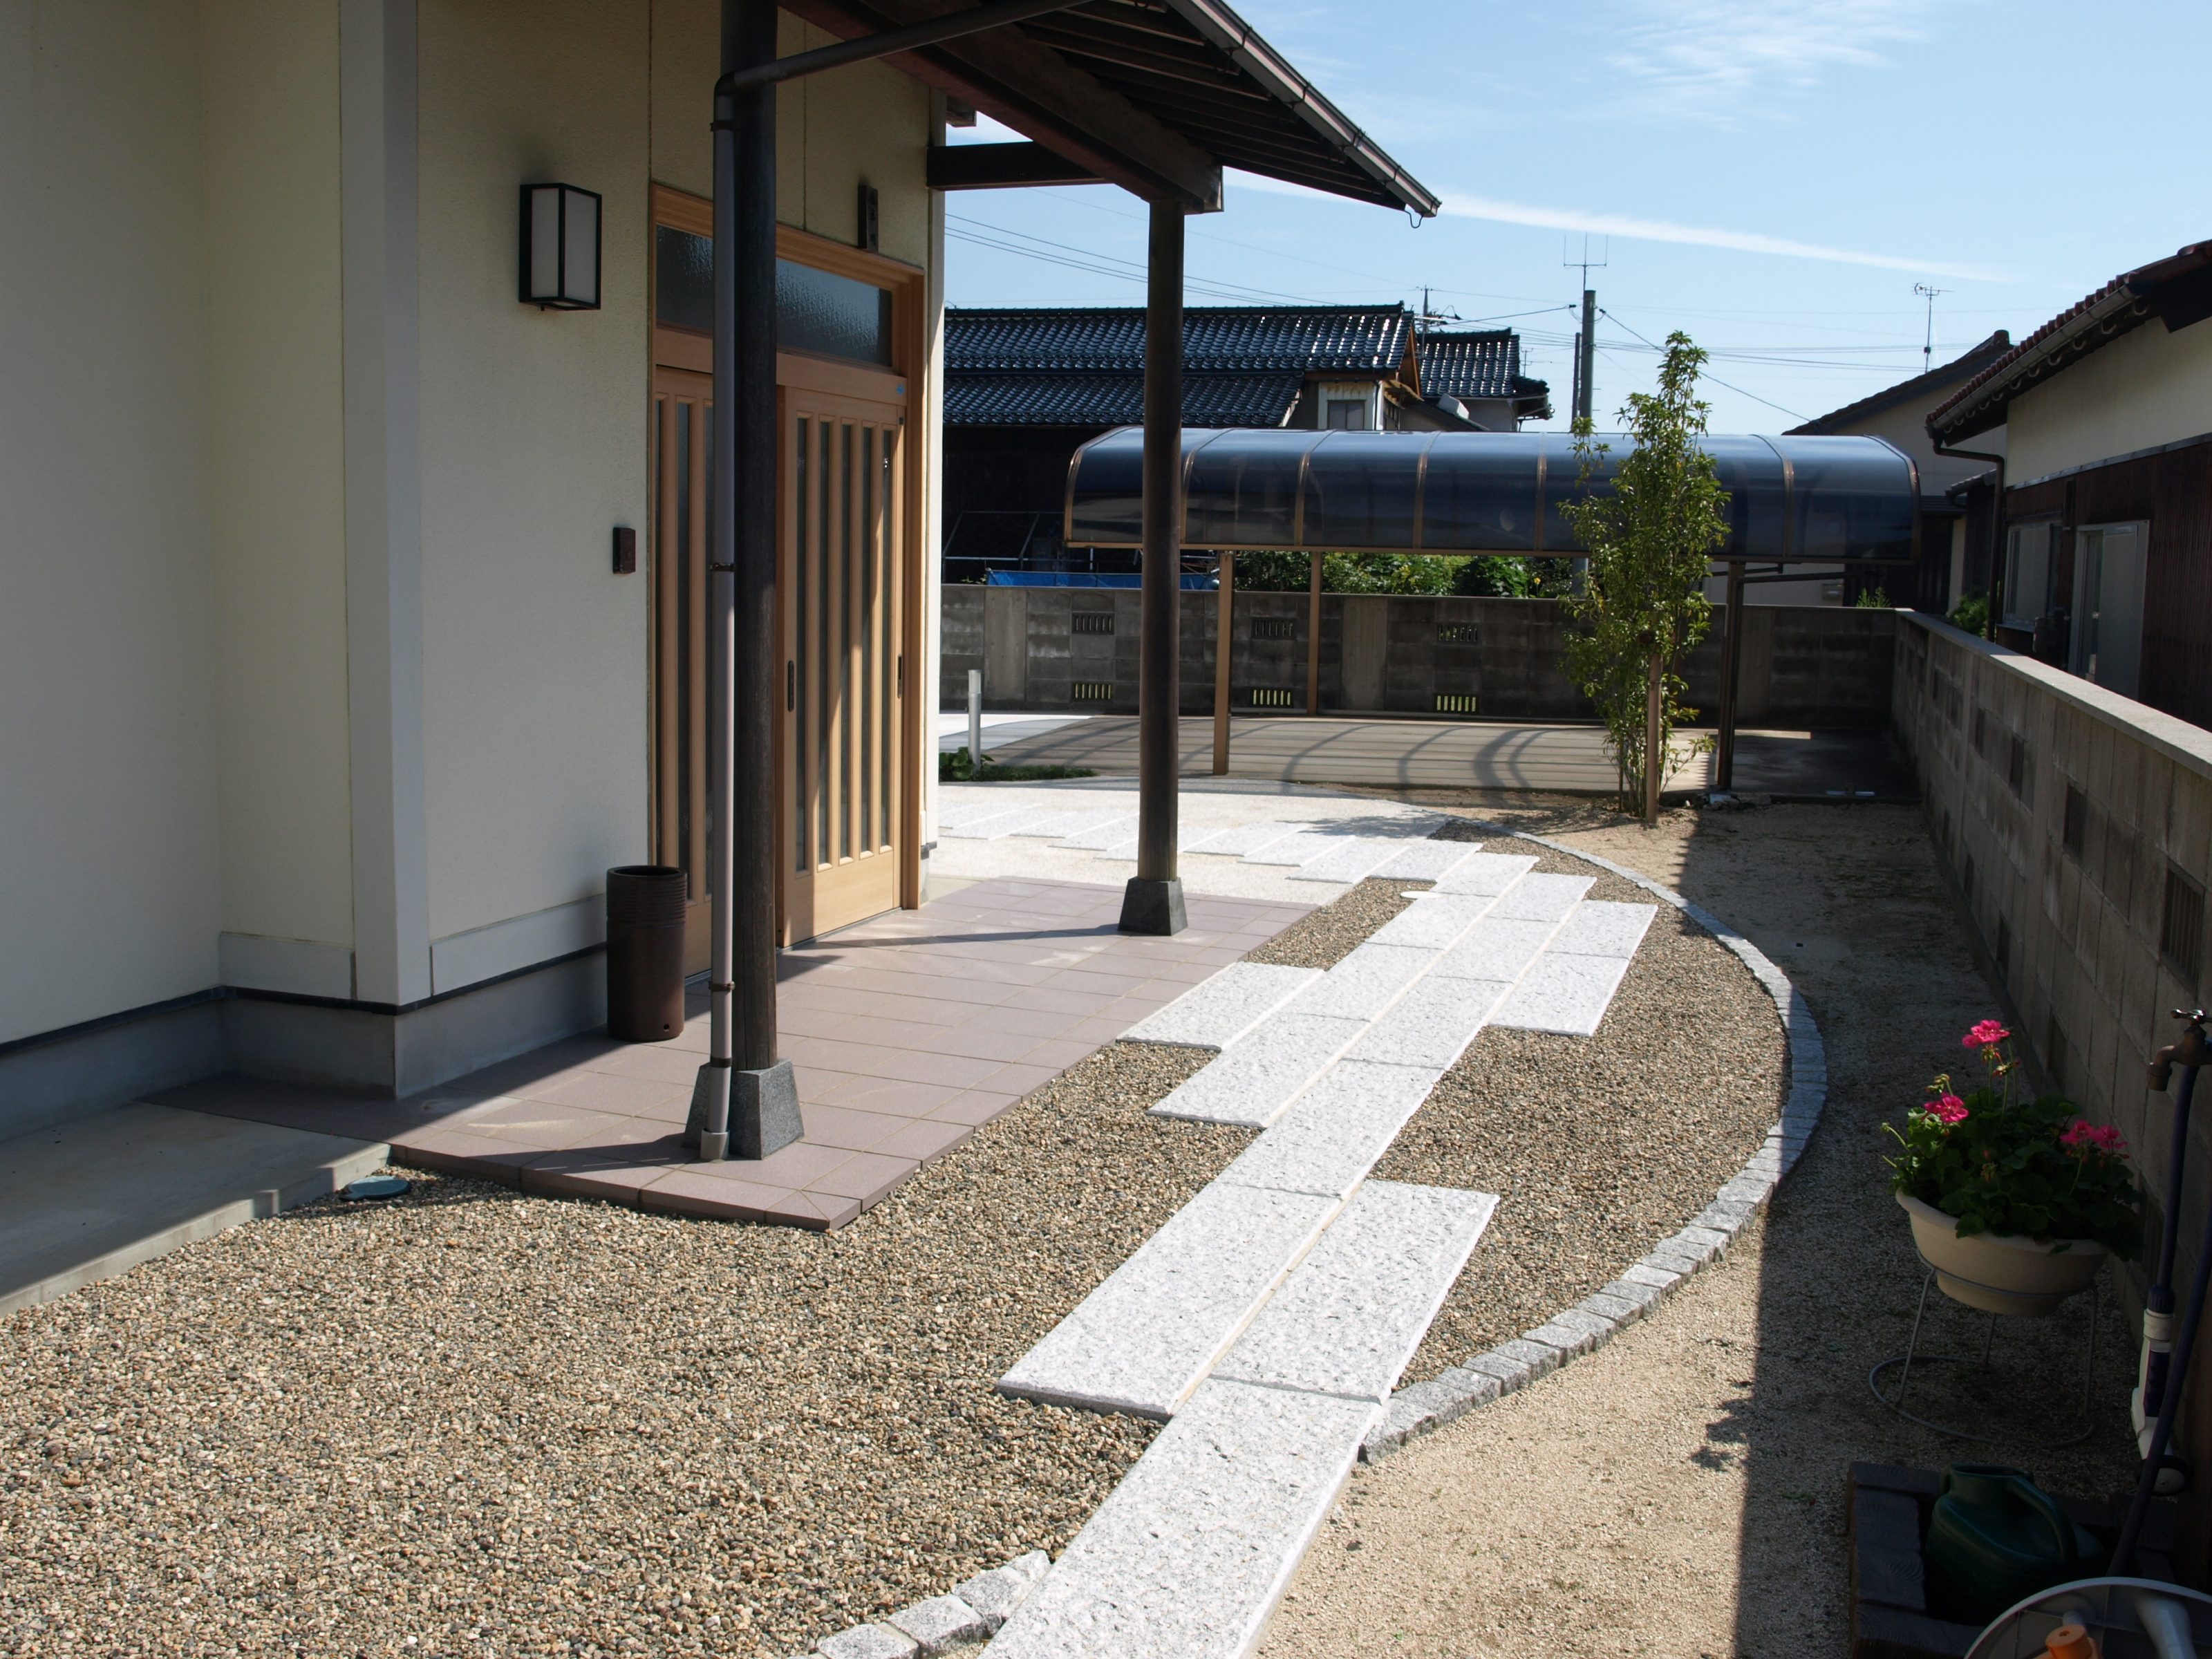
(2004,1278)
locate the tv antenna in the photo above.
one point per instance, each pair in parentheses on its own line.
(1928,346)
(1585,264)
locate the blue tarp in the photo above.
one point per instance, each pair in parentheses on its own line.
(1191,582)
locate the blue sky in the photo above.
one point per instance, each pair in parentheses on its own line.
(1773,177)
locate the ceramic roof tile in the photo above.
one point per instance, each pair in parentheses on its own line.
(1095,399)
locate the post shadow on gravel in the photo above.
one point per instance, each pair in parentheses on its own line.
(1848,902)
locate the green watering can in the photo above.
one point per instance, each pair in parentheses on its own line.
(1996,1537)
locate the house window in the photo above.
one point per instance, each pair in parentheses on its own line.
(2108,604)
(2027,573)
(1348,415)
(816,311)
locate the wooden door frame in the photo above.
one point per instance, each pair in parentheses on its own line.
(905,382)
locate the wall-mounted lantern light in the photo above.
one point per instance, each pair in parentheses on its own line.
(560,247)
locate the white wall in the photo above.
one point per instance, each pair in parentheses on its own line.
(833,130)
(2148,387)
(276,428)
(533,436)
(109,881)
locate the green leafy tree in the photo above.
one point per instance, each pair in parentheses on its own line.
(1649,542)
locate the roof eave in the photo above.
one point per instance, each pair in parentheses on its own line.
(1252,54)
(1985,404)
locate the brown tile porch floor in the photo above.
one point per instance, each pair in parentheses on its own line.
(905,1032)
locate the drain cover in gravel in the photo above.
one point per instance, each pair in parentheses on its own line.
(377,1187)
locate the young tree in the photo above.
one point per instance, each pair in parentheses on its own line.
(1649,542)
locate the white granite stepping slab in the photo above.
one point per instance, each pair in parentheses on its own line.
(1495,949)
(1599,929)
(1245,838)
(1126,848)
(1262,1071)
(1434,924)
(1356,859)
(1146,1337)
(1030,821)
(1431,1025)
(1075,824)
(1368,980)
(981,826)
(1562,994)
(1214,1012)
(1348,1320)
(1428,860)
(1542,898)
(1483,872)
(1190,1553)
(1119,828)
(1332,1134)
(1301,847)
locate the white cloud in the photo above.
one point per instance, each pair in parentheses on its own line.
(1650,230)
(1718,61)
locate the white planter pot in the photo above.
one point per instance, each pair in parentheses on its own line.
(2001,1272)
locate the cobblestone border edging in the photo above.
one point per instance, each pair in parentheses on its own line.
(1592,1322)
(972,1613)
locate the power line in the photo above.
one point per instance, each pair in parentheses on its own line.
(1716,380)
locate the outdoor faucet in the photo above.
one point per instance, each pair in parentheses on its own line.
(2191,1049)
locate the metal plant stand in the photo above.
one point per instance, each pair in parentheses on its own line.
(1912,1356)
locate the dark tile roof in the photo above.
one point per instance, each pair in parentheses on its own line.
(1247,339)
(2129,299)
(1095,399)
(1958,368)
(1465,366)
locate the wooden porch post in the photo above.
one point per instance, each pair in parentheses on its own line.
(1152,902)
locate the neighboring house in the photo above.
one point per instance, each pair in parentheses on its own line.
(1951,565)
(1477,377)
(1025,388)
(2105,519)
(356,618)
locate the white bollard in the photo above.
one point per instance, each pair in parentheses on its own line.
(974,721)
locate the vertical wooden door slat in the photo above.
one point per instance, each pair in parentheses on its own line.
(696,583)
(667,691)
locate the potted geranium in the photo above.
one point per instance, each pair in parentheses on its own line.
(2015,1203)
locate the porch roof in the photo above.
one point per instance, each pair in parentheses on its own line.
(1157,95)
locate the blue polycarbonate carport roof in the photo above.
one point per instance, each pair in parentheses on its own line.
(1791,499)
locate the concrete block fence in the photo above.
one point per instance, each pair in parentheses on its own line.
(2075,827)
(1074,650)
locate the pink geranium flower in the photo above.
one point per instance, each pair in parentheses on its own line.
(1987,1035)
(2085,1136)
(1948,1109)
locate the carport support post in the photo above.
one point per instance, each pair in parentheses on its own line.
(1224,645)
(1731,670)
(745,1102)
(1152,902)
(1313,635)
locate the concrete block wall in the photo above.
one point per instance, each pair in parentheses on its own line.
(2076,826)
(1804,667)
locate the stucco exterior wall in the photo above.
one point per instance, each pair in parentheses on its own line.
(109,875)
(534,654)
(277,480)
(2148,387)
(865,123)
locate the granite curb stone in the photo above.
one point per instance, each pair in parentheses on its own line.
(939,1623)
(972,1613)
(1416,1410)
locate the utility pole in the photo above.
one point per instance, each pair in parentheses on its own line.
(1928,346)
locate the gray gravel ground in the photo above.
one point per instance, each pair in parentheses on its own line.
(470,1421)
(1332,933)
(1597,1147)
